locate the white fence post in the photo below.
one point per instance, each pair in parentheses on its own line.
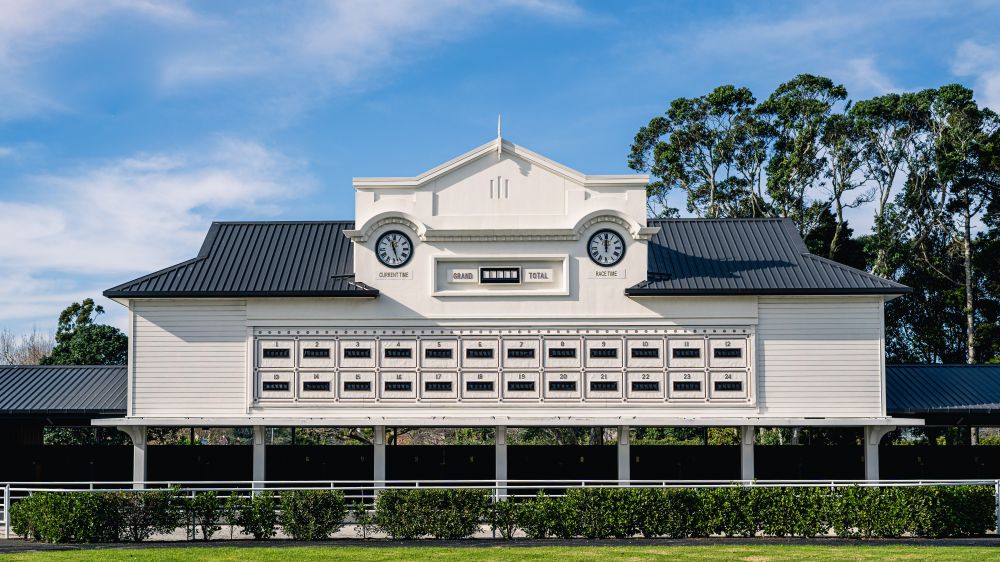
(996,494)
(6,511)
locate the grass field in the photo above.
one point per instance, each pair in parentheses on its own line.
(752,553)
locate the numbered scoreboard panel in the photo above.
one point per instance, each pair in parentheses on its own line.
(642,366)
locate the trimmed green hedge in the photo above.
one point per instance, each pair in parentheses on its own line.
(60,517)
(932,511)
(935,511)
(442,514)
(256,515)
(310,515)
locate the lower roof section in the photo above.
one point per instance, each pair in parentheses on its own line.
(945,394)
(62,390)
(523,418)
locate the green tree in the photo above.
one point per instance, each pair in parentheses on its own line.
(693,148)
(950,183)
(842,144)
(887,135)
(797,111)
(79,341)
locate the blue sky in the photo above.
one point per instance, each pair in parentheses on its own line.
(126,127)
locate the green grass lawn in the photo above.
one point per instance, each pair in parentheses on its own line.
(753,553)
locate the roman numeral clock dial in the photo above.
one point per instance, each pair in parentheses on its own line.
(394,249)
(606,248)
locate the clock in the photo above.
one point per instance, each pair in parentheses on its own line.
(606,248)
(394,249)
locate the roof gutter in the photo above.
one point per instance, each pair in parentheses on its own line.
(357,293)
(643,292)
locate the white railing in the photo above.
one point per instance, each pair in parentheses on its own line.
(366,490)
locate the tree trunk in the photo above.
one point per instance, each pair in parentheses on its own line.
(970,320)
(835,241)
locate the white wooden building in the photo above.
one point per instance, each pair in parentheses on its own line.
(504,289)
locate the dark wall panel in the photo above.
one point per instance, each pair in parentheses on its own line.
(907,462)
(685,462)
(67,463)
(319,462)
(440,462)
(562,462)
(809,462)
(199,462)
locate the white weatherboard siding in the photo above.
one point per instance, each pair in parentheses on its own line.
(820,357)
(190,358)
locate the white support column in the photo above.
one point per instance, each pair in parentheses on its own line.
(748,434)
(624,456)
(379,456)
(873,436)
(259,457)
(137,433)
(501,461)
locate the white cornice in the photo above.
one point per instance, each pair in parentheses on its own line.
(491,235)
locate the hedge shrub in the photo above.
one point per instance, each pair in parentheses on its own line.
(145,513)
(442,514)
(669,512)
(207,511)
(504,517)
(854,511)
(60,517)
(256,515)
(941,511)
(309,515)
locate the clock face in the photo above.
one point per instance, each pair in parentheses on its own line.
(606,248)
(394,249)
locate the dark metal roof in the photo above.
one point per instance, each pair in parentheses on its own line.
(260,259)
(63,390)
(942,389)
(686,257)
(746,257)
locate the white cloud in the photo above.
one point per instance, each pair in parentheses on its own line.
(294,54)
(31,31)
(753,44)
(865,79)
(129,217)
(982,62)
(332,44)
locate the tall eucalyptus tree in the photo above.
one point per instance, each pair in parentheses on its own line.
(692,147)
(797,110)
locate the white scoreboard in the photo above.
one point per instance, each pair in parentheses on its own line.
(490,366)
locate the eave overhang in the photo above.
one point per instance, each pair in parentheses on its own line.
(539,418)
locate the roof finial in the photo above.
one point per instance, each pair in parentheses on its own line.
(499,141)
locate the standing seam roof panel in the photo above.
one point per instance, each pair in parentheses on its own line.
(745,256)
(260,259)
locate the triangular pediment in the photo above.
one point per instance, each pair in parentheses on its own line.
(507,149)
(496,186)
